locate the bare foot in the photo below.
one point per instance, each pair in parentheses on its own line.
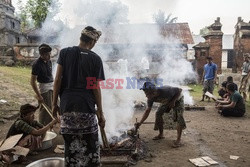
(158,137)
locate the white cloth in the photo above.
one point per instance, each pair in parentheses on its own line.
(45,87)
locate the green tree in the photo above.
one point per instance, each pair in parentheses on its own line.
(204,30)
(38,10)
(25,23)
(161,19)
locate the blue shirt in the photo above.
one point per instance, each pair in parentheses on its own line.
(210,71)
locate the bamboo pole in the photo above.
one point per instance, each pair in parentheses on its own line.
(48,110)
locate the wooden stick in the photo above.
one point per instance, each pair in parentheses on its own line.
(48,110)
(104,138)
(148,123)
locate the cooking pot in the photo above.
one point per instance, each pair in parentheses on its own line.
(47,141)
(48,162)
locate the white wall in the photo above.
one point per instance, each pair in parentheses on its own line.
(224,59)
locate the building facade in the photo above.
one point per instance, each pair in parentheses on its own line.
(10,30)
(211,47)
(241,43)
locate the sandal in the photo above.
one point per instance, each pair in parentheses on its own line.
(176,145)
(158,137)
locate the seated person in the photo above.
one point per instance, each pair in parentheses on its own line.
(234,106)
(230,80)
(222,92)
(33,132)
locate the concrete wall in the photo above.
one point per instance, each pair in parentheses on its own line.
(30,52)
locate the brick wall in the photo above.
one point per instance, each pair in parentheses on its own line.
(215,50)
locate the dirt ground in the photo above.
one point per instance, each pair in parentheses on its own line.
(207,134)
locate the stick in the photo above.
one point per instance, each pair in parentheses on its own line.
(104,138)
(48,110)
(148,123)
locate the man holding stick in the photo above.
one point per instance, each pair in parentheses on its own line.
(42,73)
(170,98)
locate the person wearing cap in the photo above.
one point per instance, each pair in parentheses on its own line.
(78,65)
(170,98)
(42,73)
(244,85)
(209,77)
(33,131)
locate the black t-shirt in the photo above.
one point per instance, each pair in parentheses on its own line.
(164,95)
(78,64)
(42,70)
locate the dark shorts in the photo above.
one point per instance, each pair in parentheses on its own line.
(82,150)
(172,117)
(208,85)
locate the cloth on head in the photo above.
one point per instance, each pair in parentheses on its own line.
(44,48)
(93,34)
(148,85)
(27,108)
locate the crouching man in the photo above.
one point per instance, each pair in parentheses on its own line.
(33,131)
(170,98)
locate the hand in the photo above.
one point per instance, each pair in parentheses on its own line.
(137,125)
(219,106)
(214,81)
(101,120)
(55,110)
(171,104)
(40,99)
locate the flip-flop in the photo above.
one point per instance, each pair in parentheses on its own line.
(158,138)
(176,145)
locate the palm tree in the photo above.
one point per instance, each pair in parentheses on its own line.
(161,19)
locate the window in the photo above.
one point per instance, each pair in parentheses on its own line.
(17,40)
(13,24)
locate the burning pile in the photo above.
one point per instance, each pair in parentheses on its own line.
(128,144)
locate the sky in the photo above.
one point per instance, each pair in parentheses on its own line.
(197,13)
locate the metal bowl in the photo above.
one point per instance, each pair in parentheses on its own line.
(48,162)
(47,141)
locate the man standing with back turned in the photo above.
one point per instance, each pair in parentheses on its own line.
(77,101)
(209,77)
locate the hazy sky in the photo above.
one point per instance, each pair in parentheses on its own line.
(198,13)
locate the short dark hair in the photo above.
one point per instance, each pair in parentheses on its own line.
(231,87)
(229,79)
(148,86)
(27,108)
(209,58)
(85,38)
(224,84)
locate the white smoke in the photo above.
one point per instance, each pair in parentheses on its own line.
(133,43)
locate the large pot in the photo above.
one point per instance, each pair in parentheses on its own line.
(47,141)
(48,162)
